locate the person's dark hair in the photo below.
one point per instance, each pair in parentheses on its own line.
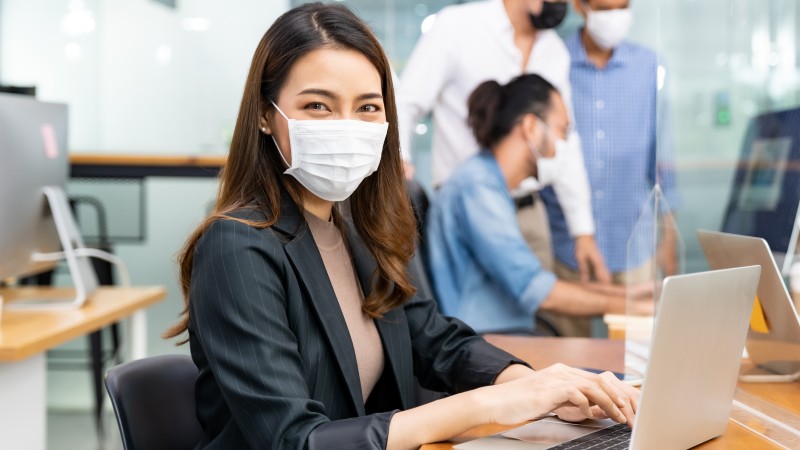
(253,174)
(495,109)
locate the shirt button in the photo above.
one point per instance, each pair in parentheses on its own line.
(600,163)
(599,195)
(600,104)
(601,134)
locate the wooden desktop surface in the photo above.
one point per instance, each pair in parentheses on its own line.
(101,159)
(26,333)
(608,355)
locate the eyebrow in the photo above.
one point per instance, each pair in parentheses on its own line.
(334,96)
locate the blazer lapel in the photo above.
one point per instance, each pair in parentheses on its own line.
(392,328)
(304,255)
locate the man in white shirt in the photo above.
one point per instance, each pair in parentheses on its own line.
(498,39)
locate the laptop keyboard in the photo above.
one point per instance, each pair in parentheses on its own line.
(614,437)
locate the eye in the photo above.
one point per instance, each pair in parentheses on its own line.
(316,106)
(369,108)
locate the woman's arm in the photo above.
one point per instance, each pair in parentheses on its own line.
(522,399)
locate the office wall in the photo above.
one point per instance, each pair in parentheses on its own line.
(139,82)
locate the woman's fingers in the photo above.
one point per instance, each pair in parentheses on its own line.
(627,394)
(613,393)
(577,398)
(597,395)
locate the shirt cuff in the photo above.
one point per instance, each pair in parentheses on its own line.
(527,186)
(579,223)
(538,290)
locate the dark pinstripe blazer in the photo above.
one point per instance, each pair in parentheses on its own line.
(277,365)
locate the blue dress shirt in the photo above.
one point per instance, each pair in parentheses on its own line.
(483,271)
(621,124)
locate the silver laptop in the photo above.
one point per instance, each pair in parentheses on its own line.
(773,342)
(688,391)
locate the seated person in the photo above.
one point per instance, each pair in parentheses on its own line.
(483,271)
(303,322)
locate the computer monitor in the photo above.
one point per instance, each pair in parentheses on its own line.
(35,219)
(766,188)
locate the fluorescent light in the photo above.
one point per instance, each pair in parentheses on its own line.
(79,20)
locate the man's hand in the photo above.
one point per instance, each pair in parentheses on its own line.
(590,260)
(667,255)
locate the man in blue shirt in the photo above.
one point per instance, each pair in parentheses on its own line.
(615,85)
(484,273)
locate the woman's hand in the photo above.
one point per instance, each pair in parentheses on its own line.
(628,394)
(573,393)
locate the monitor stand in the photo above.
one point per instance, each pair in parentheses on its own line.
(80,267)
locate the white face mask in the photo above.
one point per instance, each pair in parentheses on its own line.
(549,169)
(608,28)
(331,158)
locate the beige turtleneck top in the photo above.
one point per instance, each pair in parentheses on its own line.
(363,333)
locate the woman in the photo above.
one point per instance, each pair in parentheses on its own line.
(303,324)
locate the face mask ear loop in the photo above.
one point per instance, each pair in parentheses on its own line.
(547,134)
(288,166)
(279,110)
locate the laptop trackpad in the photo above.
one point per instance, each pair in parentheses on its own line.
(551,430)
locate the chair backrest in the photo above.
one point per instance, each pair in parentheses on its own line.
(153,400)
(418,266)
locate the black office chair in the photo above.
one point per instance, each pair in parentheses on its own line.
(153,400)
(420,275)
(418,268)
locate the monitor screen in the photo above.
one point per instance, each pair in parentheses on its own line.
(766,187)
(33,154)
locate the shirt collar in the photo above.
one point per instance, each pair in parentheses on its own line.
(489,160)
(500,21)
(619,58)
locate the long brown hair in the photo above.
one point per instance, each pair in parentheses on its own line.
(253,175)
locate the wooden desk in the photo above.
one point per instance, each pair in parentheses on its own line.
(113,165)
(26,335)
(608,355)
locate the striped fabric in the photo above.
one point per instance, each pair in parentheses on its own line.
(625,140)
(276,361)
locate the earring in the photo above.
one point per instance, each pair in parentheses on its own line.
(264,130)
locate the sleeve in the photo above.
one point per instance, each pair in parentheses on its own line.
(490,230)
(572,186)
(448,355)
(662,148)
(426,73)
(238,308)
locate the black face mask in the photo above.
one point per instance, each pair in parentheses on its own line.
(551,16)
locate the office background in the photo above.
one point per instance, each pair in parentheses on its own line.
(165,77)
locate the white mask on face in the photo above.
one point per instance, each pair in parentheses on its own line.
(608,28)
(331,158)
(549,169)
